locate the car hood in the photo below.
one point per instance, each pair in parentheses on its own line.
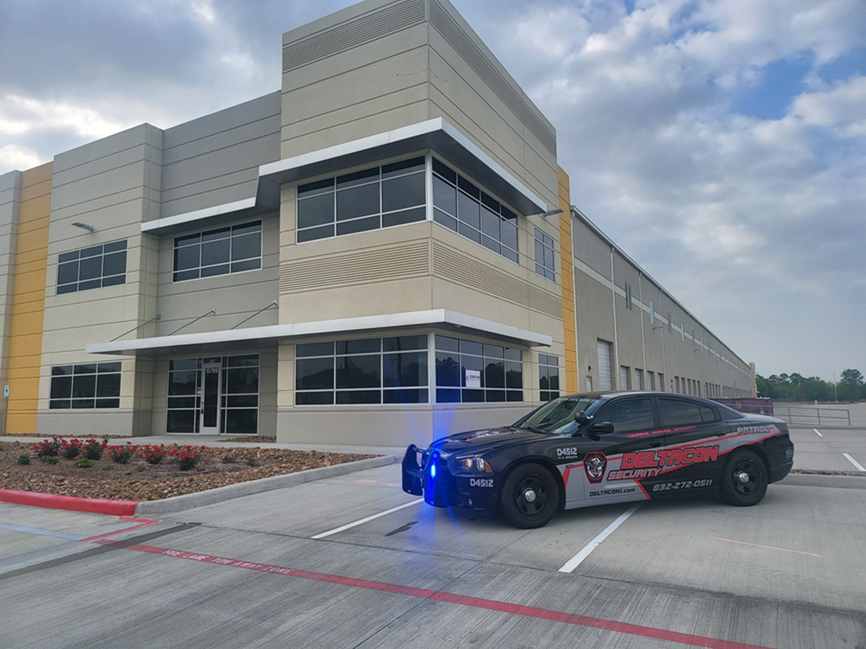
(485,439)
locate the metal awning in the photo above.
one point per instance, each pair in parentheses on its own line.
(432,317)
(436,134)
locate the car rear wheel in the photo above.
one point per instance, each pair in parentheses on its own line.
(744,479)
(529,496)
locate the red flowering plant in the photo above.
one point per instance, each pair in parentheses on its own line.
(93,448)
(71,448)
(152,454)
(47,447)
(187,457)
(121,454)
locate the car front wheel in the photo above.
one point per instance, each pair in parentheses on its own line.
(529,496)
(744,480)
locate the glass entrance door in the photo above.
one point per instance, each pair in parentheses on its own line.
(210,386)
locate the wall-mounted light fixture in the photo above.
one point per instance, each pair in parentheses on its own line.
(85,226)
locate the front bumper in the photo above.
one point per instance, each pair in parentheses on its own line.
(439,486)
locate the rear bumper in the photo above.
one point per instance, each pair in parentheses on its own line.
(780,457)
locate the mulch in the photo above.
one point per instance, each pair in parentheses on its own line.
(139,480)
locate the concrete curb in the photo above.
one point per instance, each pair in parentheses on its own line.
(229,492)
(69,503)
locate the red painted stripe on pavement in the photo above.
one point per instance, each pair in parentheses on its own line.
(69,503)
(509,608)
(141,522)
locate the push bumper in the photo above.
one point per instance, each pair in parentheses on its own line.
(426,473)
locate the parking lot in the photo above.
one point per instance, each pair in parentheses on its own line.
(354,562)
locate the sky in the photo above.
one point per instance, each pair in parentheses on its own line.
(721,143)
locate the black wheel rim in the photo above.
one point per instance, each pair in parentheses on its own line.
(746,476)
(530,496)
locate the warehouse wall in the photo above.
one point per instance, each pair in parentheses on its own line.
(683,348)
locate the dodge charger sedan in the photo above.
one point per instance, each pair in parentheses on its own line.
(597,449)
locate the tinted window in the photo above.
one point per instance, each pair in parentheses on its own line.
(675,412)
(628,415)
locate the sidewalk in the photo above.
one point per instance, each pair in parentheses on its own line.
(215,442)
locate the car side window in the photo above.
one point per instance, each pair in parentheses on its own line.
(676,412)
(709,415)
(628,415)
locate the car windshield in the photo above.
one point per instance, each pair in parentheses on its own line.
(556,416)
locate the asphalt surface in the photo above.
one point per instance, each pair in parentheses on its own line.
(385,573)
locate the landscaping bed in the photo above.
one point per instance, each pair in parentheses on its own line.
(180,470)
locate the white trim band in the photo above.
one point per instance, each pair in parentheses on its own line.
(437,134)
(431,317)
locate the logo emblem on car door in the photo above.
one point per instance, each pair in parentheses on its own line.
(594,464)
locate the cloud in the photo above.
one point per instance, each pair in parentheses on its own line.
(13,156)
(842,108)
(21,115)
(754,223)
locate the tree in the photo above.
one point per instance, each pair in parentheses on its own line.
(851,386)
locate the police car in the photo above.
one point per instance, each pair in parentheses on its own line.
(598,449)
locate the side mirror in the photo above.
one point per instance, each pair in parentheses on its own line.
(602,428)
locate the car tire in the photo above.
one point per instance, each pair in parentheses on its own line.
(529,497)
(744,479)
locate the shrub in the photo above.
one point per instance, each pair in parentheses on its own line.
(93,448)
(152,454)
(229,459)
(121,454)
(24,459)
(84,463)
(187,457)
(71,448)
(50,459)
(47,448)
(253,462)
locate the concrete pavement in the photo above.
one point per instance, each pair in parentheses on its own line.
(247,573)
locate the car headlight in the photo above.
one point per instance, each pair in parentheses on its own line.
(474,463)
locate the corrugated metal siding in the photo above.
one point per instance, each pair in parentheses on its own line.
(371,265)
(463,269)
(352,33)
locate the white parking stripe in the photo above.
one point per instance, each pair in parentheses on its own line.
(767,547)
(578,558)
(818,432)
(347,526)
(856,464)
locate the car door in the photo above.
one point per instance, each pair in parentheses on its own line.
(634,426)
(690,459)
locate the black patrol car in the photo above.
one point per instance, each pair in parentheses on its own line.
(594,449)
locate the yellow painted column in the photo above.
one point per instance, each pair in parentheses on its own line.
(28,300)
(566,255)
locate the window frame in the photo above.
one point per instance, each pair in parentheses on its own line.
(437,350)
(334,190)
(547,243)
(121,250)
(96,374)
(549,361)
(454,169)
(334,356)
(230,262)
